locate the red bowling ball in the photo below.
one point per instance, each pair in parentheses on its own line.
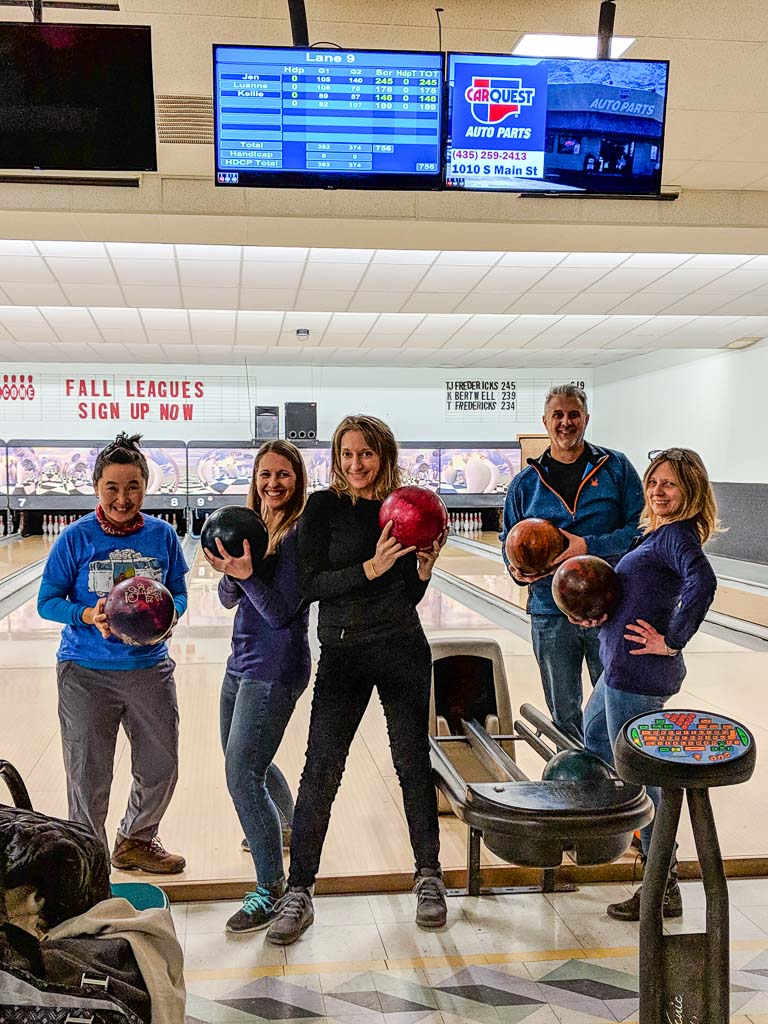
(140,611)
(419,517)
(586,588)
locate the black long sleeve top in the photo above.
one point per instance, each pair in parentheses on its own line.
(335,538)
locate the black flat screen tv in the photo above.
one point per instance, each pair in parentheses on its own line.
(304,118)
(76,98)
(523,124)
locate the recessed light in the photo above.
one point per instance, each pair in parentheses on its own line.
(538,45)
(743,342)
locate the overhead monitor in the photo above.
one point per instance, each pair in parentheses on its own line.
(219,475)
(521,124)
(309,118)
(76,97)
(46,475)
(420,466)
(167,465)
(470,471)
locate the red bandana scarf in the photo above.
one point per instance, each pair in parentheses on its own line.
(118,531)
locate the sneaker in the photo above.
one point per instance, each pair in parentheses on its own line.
(293,914)
(431,911)
(145,855)
(285,833)
(258,909)
(629,910)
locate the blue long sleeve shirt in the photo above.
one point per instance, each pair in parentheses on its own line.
(269,636)
(667,580)
(84,564)
(605,513)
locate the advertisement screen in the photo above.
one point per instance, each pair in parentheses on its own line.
(555,124)
(420,466)
(219,473)
(44,476)
(477,470)
(167,472)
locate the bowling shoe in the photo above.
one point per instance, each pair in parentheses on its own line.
(431,911)
(294,913)
(141,855)
(258,909)
(629,910)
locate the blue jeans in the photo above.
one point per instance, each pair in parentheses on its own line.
(606,712)
(254,714)
(560,649)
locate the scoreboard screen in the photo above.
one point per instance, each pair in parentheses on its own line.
(306,118)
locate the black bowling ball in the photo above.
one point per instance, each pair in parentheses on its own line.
(233,524)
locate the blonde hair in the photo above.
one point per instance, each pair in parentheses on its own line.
(380,440)
(279,523)
(698,497)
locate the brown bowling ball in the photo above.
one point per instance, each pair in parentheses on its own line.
(585,588)
(532,546)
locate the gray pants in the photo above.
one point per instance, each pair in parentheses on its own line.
(93,703)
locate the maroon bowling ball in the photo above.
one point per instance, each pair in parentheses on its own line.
(533,544)
(418,516)
(140,611)
(586,587)
(233,524)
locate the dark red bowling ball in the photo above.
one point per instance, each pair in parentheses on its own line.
(418,516)
(532,545)
(233,524)
(586,587)
(140,611)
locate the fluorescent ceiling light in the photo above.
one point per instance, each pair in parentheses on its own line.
(533,45)
(744,342)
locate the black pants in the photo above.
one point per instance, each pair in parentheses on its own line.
(400,671)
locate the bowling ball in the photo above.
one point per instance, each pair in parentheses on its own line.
(140,611)
(586,587)
(576,766)
(418,516)
(533,544)
(233,524)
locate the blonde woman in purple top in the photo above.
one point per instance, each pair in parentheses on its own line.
(267,671)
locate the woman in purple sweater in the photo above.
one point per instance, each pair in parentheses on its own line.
(267,671)
(667,587)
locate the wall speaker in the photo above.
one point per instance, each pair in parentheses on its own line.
(267,422)
(301,421)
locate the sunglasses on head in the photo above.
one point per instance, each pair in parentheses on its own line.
(672,454)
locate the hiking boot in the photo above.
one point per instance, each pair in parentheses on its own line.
(293,914)
(629,910)
(431,911)
(258,909)
(285,835)
(145,855)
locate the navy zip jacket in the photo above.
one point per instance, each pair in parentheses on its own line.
(605,513)
(667,580)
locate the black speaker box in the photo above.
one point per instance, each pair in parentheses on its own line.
(267,422)
(301,421)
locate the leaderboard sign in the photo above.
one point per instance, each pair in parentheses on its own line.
(519,124)
(329,118)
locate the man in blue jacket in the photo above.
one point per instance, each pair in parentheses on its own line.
(594,496)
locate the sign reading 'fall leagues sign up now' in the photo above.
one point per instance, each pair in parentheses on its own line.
(113,397)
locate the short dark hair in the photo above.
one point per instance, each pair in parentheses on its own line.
(125,450)
(569,391)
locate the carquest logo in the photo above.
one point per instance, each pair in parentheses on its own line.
(495,99)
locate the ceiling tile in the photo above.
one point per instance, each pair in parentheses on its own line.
(345,256)
(259,321)
(271,275)
(486,302)
(32,294)
(77,249)
(209,273)
(431,302)
(415,257)
(146,272)
(457,280)
(274,254)
(569,279)
(654,260)
(266,298)
(81,271)
(622,280)
(381,277)
(333,275)
(140,251)
(88,294)
(323,300)
(682,280)
(29,269)
(594,259)
(117,318)
(152,295)
(468,259)
(532,259)
(541,302)
(209,253)
(378,302)
(197,297)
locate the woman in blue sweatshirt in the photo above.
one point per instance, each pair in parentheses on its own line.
(104,683)
(267,671)
(667,587)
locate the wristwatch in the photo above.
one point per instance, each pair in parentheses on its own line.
(669,651)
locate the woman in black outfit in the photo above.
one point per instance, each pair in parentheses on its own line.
(368,587)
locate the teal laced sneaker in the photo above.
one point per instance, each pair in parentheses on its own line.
(257,911)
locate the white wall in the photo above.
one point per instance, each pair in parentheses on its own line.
(712,402)
(412,401)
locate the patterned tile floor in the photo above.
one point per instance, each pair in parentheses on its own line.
(554,959)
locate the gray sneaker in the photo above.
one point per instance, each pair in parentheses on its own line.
(258,909)
(431,911)
(294,913)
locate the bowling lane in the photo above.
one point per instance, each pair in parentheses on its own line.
(19,552)
(367,845)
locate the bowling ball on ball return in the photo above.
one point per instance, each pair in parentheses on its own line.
(586,587)
(140,611)
(576,766)
(418,516)
(533,544)
(233,524)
